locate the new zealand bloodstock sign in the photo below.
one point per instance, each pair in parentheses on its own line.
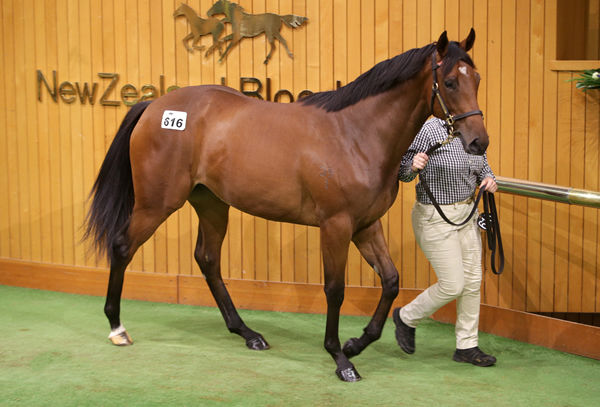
(108,90)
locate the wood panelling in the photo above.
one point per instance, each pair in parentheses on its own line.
(541,127)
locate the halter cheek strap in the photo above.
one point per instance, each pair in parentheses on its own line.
(436,94)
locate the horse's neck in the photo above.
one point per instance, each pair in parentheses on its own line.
(393,118)
(190,14)
(235,13)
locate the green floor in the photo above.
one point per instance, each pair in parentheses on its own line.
(54,351)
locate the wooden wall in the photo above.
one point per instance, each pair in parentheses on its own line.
(542,129)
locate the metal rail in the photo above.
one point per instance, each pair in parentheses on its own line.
(549,192)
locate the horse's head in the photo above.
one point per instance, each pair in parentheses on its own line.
(216,8)
(454,99)
(180,11)
(220,7)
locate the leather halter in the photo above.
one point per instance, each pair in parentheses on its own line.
(490,214)
(450,118)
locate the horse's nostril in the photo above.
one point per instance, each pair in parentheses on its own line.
(477,148)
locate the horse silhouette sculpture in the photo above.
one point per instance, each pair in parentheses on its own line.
(246,25)
(215,147)
(200,27)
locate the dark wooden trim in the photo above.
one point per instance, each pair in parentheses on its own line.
(285,297)
(540,330)
(90,281)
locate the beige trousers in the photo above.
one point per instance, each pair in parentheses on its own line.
(455,255)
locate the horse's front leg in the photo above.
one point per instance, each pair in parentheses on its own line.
(186,40)
(272,42)
(371,244)
(335,239)
(195,45)
(232,41)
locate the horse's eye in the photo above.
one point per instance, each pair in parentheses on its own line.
(450,83)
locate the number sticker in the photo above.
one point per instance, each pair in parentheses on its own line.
(174,120)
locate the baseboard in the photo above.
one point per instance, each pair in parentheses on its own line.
(540,330)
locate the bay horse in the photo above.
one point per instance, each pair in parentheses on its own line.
(196,144)
(200,27)
(246,25)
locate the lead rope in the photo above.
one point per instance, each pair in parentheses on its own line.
(437,205)
(493,232)
(492,226)
(491,218)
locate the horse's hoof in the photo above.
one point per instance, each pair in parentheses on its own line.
(352,347)
(257,343)
(121,339)
(348,375)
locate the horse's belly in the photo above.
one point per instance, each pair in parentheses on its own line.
(264,188)
(268,201)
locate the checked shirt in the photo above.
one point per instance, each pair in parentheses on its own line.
(451,173)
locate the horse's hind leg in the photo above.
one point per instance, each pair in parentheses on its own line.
(142,224)
(371,244)
(213,215)
(284,43)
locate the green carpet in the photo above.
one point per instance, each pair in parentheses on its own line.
(55,352)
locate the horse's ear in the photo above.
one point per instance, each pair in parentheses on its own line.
(467,43)
(442,44)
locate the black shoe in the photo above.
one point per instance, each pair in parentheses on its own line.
(474,356)
(405,335)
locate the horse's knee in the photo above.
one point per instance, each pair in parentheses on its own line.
(207,261)
(334,294)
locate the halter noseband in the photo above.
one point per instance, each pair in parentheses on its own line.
(450,119)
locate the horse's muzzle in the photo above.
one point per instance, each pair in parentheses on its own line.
(476,147)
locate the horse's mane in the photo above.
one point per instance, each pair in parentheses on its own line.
(235,5)
(384,76)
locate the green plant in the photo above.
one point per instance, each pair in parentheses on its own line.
(588,79)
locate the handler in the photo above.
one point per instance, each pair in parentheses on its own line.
(454,252)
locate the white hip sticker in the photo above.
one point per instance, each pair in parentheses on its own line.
(174,120)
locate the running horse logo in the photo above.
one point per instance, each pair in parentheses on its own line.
(243,25)
(200,27)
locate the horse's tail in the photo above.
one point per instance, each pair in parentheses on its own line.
(112,193)
(293,21)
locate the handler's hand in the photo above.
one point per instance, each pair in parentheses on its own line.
(419,162)
(489,184)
